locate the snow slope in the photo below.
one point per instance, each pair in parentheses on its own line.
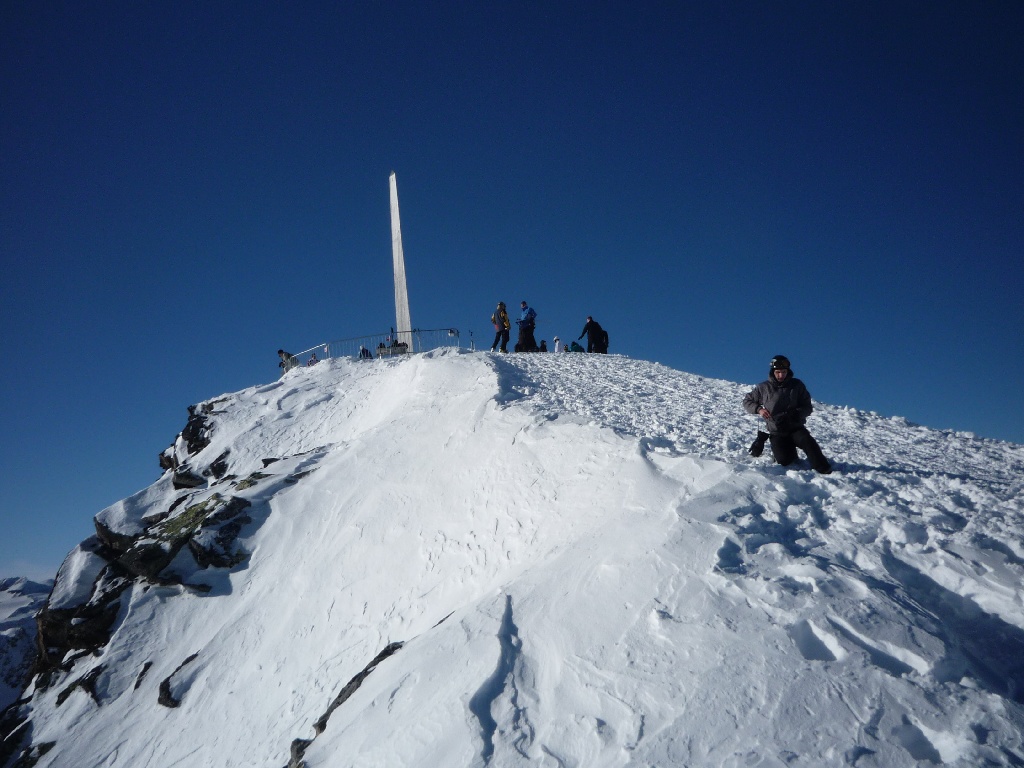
(566,560)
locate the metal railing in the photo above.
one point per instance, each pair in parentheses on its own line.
(381,345)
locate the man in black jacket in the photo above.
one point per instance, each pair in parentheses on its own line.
(595,336)
(784,403)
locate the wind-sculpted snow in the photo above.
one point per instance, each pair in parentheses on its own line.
(463,559)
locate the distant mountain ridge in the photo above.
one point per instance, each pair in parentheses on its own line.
(465,559)
(20,600)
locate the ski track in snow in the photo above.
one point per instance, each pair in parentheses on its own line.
(585,568)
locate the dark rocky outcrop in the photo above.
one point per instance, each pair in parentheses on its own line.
(214,544)
(83,627)
(208,529)
(137,545)
(142,674)
(166,697)
(299,746)
(86,682)
(15,729)
(186,478)
(218,467)
(194,438)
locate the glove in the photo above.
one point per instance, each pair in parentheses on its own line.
(757,447)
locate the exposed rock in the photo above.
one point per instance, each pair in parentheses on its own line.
(194,438)
(214,544)
(15,730)
(186,478)
(219,467)
(147,557)
(209,528)
(87,683)
(16,734)
(353,685)
(299,746)
(298,751)
(166,697)
(196,433)
(142,674)
(166,459)
(250,481)
(111,539)
(83,627)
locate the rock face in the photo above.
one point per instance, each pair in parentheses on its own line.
(176,533)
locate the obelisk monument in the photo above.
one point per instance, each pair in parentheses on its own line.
(403,323)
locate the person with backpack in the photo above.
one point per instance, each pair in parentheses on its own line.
(784,403)
(501,327)
(597,339)
(526,322)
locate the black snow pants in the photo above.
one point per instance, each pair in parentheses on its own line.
(784,449)
(527,343)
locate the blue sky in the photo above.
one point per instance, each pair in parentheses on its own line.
(188,187)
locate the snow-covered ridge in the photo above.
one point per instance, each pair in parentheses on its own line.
(468,559)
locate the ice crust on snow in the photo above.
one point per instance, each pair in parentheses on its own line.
(583,566)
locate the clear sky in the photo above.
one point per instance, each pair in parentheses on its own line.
(187,187)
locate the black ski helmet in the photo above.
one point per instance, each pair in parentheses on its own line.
(779,363)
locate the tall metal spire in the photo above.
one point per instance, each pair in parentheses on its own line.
(403,323)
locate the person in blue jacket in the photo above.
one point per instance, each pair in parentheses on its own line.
(526,322)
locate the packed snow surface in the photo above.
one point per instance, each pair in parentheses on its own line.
(583,567)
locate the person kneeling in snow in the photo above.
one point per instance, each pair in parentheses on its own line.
(784,403)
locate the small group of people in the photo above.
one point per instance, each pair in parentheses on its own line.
(597,337)
(784,404)
(782,400)
(561,346)
(289,361)
(502,325)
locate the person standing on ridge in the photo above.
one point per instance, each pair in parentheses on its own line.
(501,326)
(288,361)
(527,320)
(595,336)
(784,403)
